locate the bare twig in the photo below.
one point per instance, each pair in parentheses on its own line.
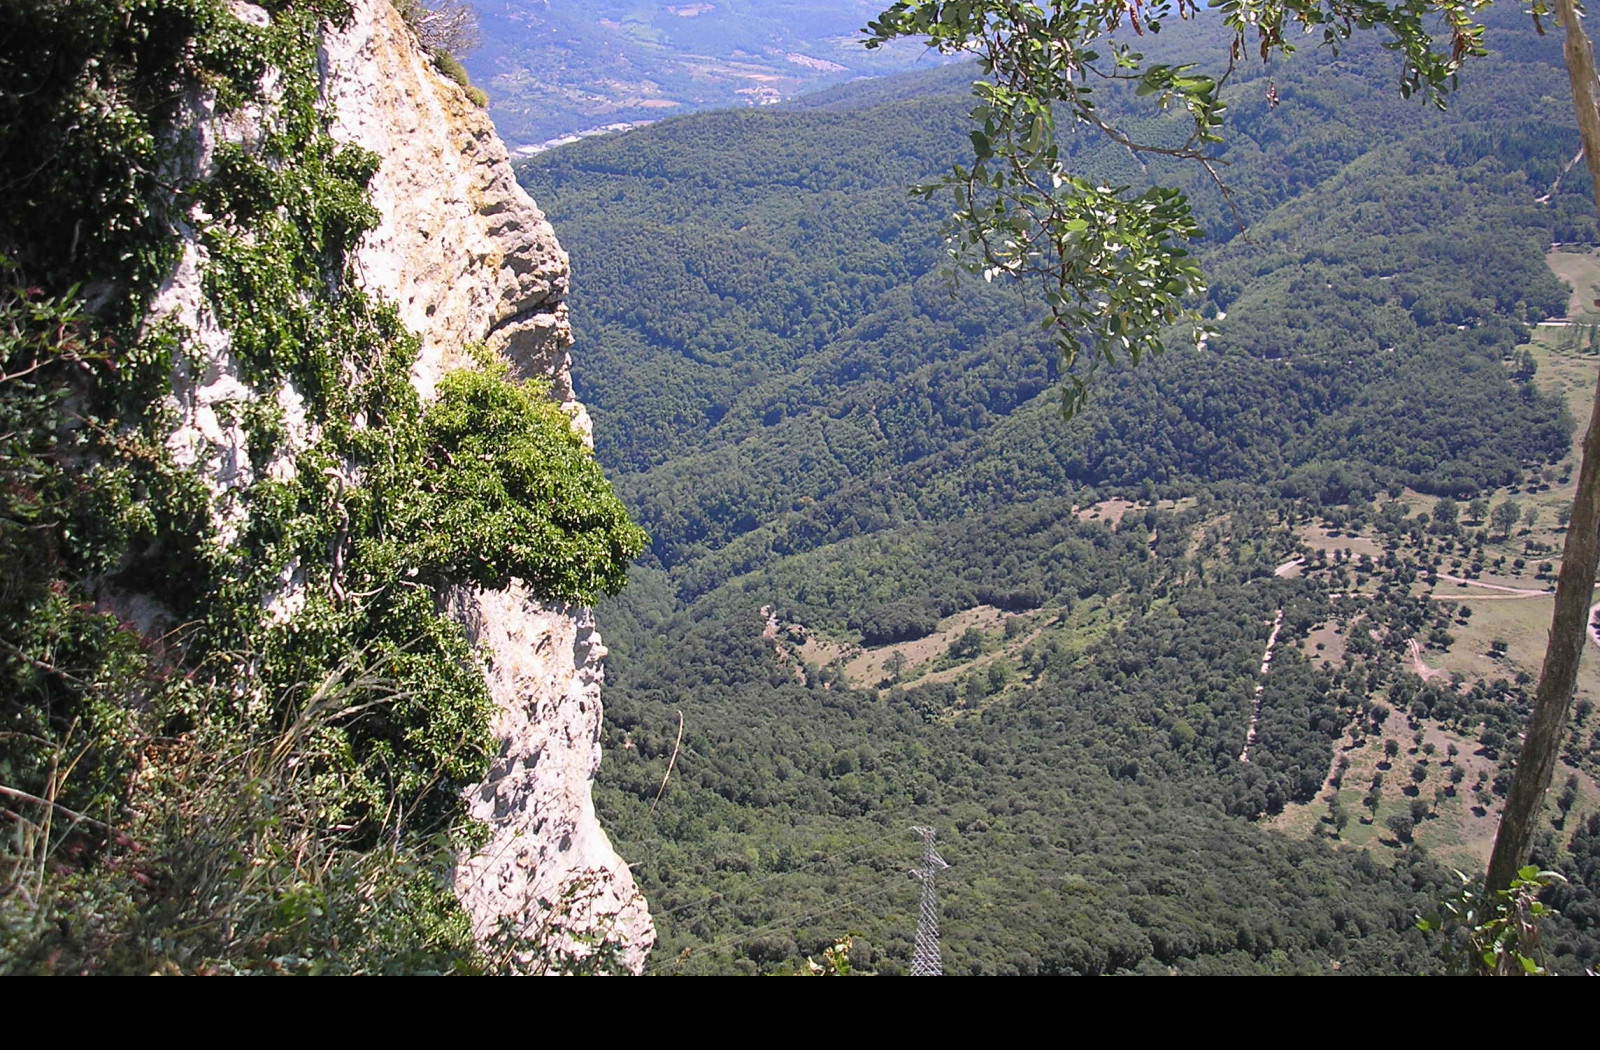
(74,815)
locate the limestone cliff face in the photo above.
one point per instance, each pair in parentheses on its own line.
(467,258)
(462,250)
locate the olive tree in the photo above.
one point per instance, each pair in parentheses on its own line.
(1504,516)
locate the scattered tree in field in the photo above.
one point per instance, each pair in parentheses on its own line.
(999,675)
(1568,797)
(1446,516)
(1339,816)
(1504,517)
(968,645)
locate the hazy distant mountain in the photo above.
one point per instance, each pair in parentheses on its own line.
(559,67)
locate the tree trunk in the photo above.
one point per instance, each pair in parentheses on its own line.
(1575,588)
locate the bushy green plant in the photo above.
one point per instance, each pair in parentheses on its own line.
(230,863)
(503,488)
(1495,935)
(68,675)
(451,67)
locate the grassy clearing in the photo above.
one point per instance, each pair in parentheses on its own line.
(1320,538)
(1325,644)
(928,660)
(866,666)
(1522,623)
(1582,271)
(1456,829)
(1112,511)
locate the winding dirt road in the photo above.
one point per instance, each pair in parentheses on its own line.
(1266,664)
(1520,592)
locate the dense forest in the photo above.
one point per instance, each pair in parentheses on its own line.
(887,585)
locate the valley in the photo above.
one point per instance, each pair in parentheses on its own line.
(558,69)
(634,540)
(887,585)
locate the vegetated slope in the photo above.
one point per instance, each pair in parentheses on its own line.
(806,419)
(241,552)
(766,308)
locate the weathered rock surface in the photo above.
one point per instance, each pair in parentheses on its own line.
(462,251)
(544,668)
(468,258)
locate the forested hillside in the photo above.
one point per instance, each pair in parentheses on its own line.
(888,585)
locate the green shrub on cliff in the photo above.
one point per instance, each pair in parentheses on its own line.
(237,783)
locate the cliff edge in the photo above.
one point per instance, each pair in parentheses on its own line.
(468,258)
(469,262)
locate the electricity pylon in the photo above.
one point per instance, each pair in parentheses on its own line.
(925,961)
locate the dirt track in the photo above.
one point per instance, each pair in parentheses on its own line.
(1266,664)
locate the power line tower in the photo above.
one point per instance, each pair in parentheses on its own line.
(925,961)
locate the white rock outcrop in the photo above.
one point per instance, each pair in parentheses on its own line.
(468,258)
(462,251)
(548,848)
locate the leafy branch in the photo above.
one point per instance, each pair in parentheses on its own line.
(1496,934)
(1111,263)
